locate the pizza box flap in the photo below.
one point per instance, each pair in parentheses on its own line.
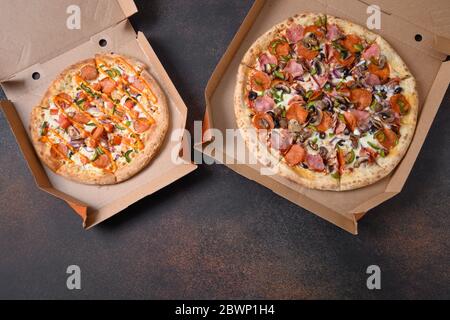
(37,31)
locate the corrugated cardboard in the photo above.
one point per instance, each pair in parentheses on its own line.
(93,203)
(400,25)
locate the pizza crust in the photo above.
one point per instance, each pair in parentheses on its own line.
(152,139)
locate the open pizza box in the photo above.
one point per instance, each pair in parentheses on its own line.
(403,23)
(37,38)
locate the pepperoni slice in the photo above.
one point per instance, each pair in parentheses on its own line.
(399,104)
(372,52)
(351,120)
(306,53)
(89,72)
(59,151)
(352,43)
(108,85)
(280,48)
(141,125)
(383,73)
(102,161)
(295,33)
(295,155)
(297,112)
(263,121)
(97,133)
(54,112)
(260,81)
(333,32)
(63,121)
(326,123)
(81,118)
(314,29)
(362,98)
(387,138)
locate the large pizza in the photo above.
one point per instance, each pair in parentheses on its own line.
(333,106)
(101,121)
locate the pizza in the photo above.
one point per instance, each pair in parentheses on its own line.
(332,106)
(101,120)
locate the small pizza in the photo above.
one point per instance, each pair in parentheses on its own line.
(101,121)
(334,107)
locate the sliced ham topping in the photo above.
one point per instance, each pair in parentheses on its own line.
(333,32)
(294,68)
(296,99)
(138,84)
(315,162)
(371,52)
(97,133)
(330,52)
(264,104)
(281,139)
(297,112)
(266,58)
(295,33)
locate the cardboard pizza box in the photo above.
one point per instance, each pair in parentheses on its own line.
(39,38)
(403,23)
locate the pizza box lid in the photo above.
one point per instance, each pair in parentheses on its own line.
(343,209)
(37,31)
(95,204)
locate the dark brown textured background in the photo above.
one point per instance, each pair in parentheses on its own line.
(214,234)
